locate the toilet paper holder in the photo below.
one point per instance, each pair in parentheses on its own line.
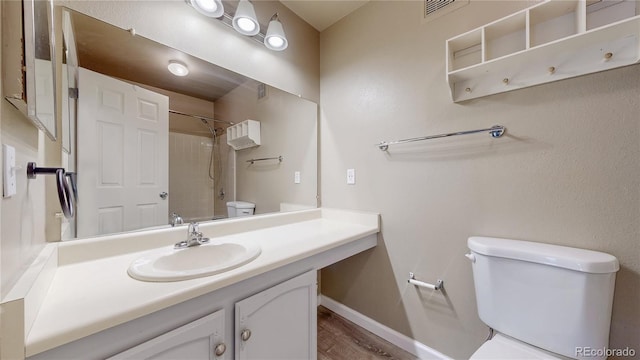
(412,280)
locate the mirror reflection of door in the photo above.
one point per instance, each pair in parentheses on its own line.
(68,97)
(122,155)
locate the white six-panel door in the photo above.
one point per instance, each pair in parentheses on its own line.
(122,161)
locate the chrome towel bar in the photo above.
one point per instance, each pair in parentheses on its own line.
(412,280)
(495,131)
(279,158)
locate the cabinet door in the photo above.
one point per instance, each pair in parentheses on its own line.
(199,340)
(280,322)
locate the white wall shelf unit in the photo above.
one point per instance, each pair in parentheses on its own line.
(244,135)
(550,41)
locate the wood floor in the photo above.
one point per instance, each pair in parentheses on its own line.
(341,339)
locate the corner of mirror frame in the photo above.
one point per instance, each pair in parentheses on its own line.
(28,103)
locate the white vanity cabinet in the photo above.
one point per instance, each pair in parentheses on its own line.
(200,339)
(91,309)
(280,322)
(276,323)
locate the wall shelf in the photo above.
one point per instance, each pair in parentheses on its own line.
(244,135)
(550,41)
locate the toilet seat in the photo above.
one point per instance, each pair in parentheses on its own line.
(504,347)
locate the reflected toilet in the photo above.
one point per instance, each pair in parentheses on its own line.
(240,208)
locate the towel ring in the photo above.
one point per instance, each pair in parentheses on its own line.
(64,189)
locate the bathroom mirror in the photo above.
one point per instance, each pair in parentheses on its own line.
(148,143)
(36,98)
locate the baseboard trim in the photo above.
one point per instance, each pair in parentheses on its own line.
(402,341)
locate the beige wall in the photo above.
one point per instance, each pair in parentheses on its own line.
(22,217)
(567,172)
(288,127)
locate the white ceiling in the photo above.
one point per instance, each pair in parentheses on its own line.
(323,13)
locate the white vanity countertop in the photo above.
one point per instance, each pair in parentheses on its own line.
(89,293)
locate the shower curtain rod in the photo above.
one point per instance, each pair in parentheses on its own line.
(201,117)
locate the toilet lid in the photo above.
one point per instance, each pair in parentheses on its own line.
(241,204)
(504,347)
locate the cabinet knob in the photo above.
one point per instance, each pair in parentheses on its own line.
(220,349)
(245,334)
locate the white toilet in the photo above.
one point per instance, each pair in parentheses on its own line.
(240,208)
(543,301)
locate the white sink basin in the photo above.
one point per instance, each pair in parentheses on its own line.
(169,264)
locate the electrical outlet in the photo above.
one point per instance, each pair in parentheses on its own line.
(9,173)
(296,177)
(351,176)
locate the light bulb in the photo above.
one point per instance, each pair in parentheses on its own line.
(177,68)
(245,21)
(275,41)
(207,5)
(246,24)
(211,8)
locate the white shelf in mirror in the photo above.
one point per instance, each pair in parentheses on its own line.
(244,135)
(550,41)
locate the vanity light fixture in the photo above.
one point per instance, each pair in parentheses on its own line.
(275,38)
(178,68)
(245,21)
(211,8)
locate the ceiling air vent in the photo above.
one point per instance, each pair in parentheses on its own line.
(436,8)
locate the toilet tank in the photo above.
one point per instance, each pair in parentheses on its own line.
(554,297)
(240,208)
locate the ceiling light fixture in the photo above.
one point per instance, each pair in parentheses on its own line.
(178,68)
(275,38)
(211,8)
(245,21)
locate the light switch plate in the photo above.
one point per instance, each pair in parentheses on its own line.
(351,176)
(9,173)
(296,177)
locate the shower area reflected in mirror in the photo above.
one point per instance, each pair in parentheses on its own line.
(197,164)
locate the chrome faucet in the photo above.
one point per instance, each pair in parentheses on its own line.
(194,238)
(176,219)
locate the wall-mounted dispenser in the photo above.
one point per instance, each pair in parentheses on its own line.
(244,135)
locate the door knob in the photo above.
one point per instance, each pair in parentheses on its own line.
(220,349)
(163,195)
(245,334)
